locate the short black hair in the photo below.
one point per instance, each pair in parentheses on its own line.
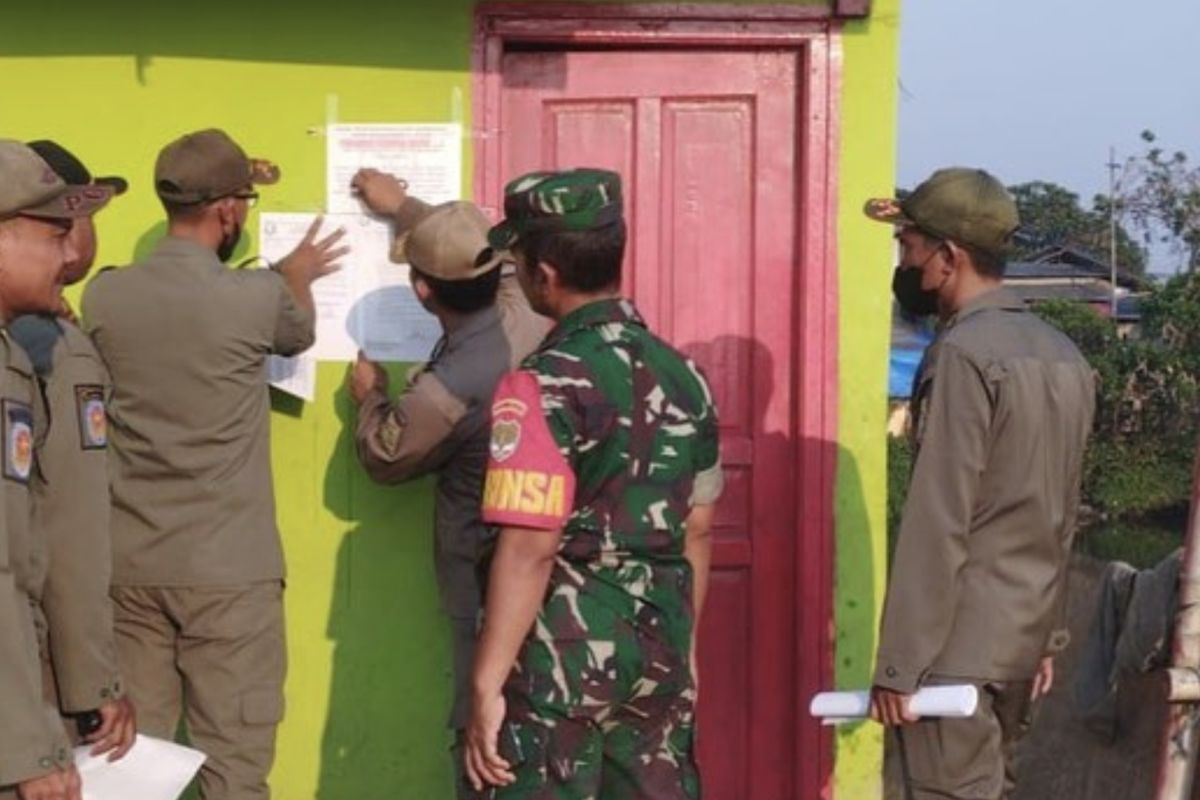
(176,211)
(988,263)
(586,261)
(466,296)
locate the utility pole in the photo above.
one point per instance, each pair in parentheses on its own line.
(1113,166)
(1181,734)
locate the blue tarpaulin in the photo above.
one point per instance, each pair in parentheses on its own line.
(909,340)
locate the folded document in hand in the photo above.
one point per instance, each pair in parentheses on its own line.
(833,708)
(153,769)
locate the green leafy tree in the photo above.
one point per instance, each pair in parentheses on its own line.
(1159,192)
(1052,215)
(1147,401)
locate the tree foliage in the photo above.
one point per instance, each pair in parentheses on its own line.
(1052,215)
(1159,193)
(1139,459)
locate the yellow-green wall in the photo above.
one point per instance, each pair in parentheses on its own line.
(368,682)
(867,169)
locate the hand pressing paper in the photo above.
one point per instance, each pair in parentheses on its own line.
(834,708)
(153,769)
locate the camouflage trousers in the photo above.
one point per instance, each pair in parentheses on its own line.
(601,719)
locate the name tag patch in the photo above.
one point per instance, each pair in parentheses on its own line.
(93,421)
(18,440)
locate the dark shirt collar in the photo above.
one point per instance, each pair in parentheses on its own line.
(467,326)
(999,298)
(599,312)
(187,252)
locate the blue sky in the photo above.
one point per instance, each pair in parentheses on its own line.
(1039,89)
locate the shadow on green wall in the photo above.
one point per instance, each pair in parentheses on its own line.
(388,636)
(414,35)
(854,615)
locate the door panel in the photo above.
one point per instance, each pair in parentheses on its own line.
(705,142)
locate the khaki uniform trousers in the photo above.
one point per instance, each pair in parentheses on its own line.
(216,657)
(965,759)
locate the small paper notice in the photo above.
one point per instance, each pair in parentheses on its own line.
(427,156)
(153,769)
(833,708)
(368,304)
(296,375)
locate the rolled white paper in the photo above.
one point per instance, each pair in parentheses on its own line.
(958,700)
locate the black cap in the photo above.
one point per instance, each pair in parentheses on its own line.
(71,169)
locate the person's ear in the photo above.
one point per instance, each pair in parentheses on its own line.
(226,209)
(546,275)
(424,293)
(953,256)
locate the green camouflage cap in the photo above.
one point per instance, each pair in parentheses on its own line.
(965,205)
(207,165)
(572,200)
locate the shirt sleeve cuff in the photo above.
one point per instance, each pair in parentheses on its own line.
(35,756)
(106,692)
(1058,641)
(892,675)
(708,485)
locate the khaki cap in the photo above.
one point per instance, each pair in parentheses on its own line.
(445,242)
(29,187)
(965,205)
(207,165)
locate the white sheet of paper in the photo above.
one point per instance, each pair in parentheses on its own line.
(153,769)
(295,375)
(835,708)
(368,304)
(428,156)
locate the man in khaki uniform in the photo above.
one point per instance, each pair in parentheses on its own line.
(1002,408)
(70,504)
(36,209)
(198,567)
(440,422)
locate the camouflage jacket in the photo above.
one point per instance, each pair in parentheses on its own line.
(632,427)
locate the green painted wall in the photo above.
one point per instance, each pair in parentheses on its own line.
(867,170)
(369,669)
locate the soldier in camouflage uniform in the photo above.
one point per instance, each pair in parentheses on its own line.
(603,472)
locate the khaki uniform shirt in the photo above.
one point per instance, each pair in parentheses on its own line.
(32,740)
(186,340)
(440,423)
(1002,409)
(71,510)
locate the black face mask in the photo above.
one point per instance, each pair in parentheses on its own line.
(906,287)
(229,244)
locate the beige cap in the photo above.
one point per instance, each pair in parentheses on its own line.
(29,187)
(444,242)
(207,165)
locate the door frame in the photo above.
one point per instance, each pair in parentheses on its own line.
(813,32)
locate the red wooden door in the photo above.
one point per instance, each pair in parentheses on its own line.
(706,144)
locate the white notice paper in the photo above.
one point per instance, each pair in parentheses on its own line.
(932,701)
(428,156)
(296,375)
(153,769)
(368,304)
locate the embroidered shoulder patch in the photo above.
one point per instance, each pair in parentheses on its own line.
(93,421)
(529,484)
(18,440)
(506,428)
